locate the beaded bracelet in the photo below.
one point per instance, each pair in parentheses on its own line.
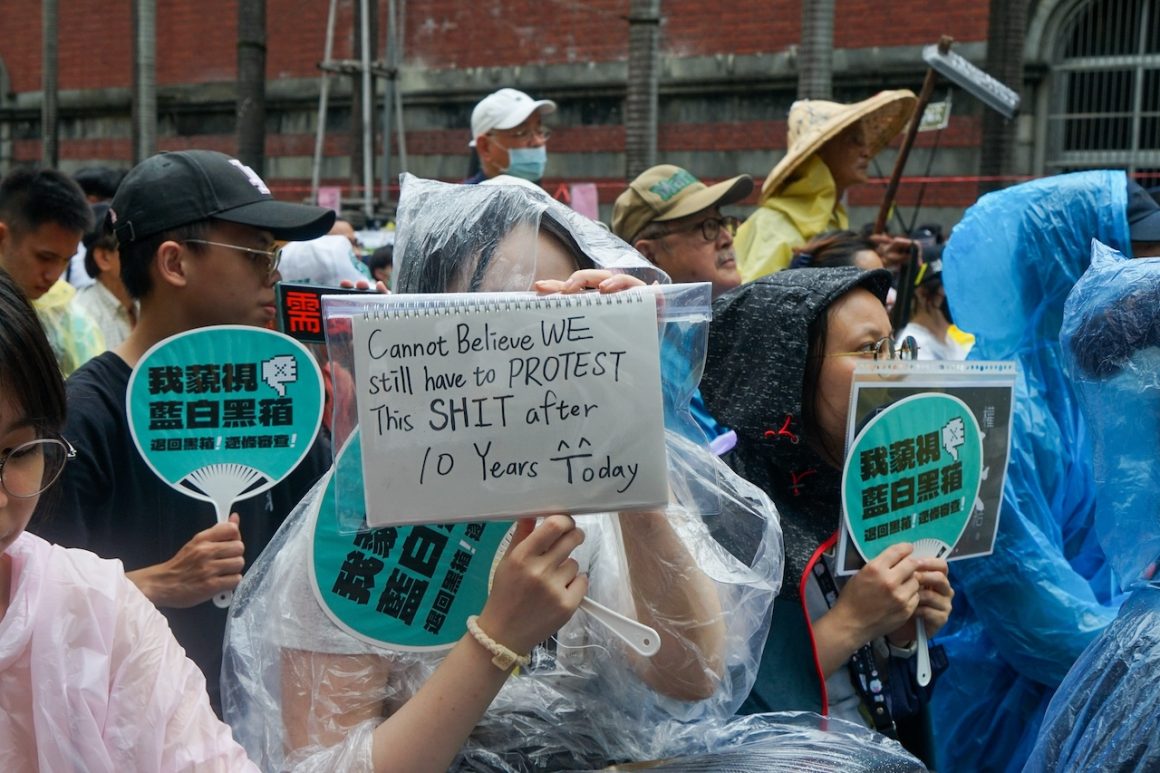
(504,658)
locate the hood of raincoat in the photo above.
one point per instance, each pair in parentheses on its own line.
(1111,344)
(1010,263)
(808,199)
(449,235)
(805,206)
(1007,268)
(754,374)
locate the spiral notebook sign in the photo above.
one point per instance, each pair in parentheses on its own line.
(496,405)
(224,413)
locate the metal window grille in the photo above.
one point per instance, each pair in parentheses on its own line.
(1105,100)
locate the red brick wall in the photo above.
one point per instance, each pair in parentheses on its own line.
(196,39)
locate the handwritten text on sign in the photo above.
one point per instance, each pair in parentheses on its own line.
(507,405)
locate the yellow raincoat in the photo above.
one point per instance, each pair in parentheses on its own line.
(74,337)
(803,208)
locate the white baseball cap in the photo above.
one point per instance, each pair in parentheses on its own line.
(505,109)
(326,261)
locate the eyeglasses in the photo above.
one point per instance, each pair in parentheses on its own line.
(272,257)
(32,467)
(711,227)
(885,349)
(526,133)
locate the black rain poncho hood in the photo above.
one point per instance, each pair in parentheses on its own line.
(753,383)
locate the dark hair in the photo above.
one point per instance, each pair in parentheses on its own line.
(436,258)
(100,182)
(382,257)
(1107,337)
(29,375)
(830,250)
(816,335)
(97,238)
(29,198)
(137,256)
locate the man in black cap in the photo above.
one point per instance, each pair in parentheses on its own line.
(198,235)
(1143,222)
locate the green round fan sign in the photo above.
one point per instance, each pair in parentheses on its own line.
(913,474)
(406,587)
(229,395)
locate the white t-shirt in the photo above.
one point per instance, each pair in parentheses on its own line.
(929,347)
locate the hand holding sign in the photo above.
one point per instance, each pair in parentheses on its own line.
(222,414)
(934,601)
(912,476)
(537,585)
(207,566)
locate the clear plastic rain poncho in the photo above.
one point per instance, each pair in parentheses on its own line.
(580,703)
(1105,714)
(1025,613)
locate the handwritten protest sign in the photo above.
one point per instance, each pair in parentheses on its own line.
(224,413)
(493,405)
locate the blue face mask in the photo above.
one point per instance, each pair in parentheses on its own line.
(527,163)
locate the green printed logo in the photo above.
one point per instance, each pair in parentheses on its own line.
(670,187)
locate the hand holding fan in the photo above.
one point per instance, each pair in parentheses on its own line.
(912,475)
(224,413)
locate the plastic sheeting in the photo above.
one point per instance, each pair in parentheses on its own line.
(582,702)
(792,742)
(1025,613)
(1111,336)
(1106,714)
(93,679)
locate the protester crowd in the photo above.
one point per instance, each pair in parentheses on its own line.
(114,654)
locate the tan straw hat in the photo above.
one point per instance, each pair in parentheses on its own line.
(813,122)
(667,192)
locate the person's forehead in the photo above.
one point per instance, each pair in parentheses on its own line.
(51,238)
(859,311)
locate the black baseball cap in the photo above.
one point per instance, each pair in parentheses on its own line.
(1143,214)
(174,189)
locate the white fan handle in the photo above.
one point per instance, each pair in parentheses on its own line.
(635,634)
(923,655)
(225,598)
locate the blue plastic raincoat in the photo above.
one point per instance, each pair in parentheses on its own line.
(1106,714)
(1025,613)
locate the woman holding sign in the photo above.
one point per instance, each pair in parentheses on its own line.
(582,698)
(782,351)
(93,678)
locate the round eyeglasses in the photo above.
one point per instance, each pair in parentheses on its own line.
(30,468)
(711,227)
(885,349)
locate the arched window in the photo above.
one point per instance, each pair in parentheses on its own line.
(1104,105)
